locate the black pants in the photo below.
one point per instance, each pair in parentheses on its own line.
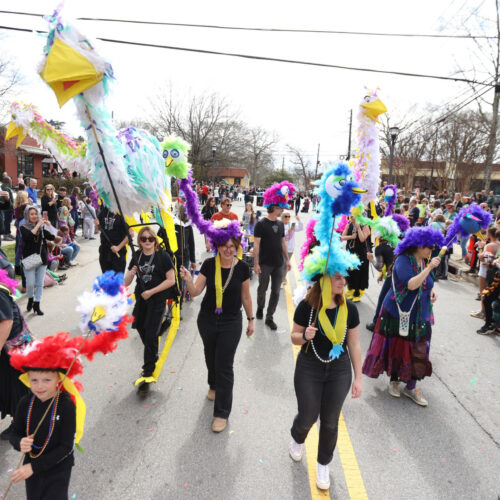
(220,334)
(148,316)
(49,485)
(385,288)
(275,274)
(110,262)
(488,306)
(321,389)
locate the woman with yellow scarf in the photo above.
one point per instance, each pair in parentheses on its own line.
(323,370)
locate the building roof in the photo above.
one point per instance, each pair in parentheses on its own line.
(34,151)
(231,172)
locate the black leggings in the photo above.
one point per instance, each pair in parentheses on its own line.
(52,484)
(148,316)
(221,335)
(321,389)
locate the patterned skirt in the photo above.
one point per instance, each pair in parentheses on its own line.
(404,357)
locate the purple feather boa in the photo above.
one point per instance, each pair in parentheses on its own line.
(275,196)
(402,222)
(391,202)
(456,229)
(216,235)
(420,237)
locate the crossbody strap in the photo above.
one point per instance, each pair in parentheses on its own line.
(396,299)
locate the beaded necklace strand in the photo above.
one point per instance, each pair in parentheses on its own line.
(51,425)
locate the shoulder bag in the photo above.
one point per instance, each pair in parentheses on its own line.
(33,260)
(404,317)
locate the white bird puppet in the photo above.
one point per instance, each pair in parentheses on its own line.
(367,159)
(73,68)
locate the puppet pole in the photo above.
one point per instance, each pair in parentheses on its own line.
(60,384)
(324,274)
(101,152)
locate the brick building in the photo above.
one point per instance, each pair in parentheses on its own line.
(30,158)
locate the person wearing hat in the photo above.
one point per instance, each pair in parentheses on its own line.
(270,249)
(401,340)
(226,279)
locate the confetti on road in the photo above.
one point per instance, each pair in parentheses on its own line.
(473,381)
(73,495)
(10,470)
(261,461)
(443,460)
(245,411)
(231,432)
(172,371)
(394,449)
(185,485)
(111,386)
(179,388)
(145,406)
(150,430)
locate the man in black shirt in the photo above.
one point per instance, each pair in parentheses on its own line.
(114,238)
(269,251)
(414,213)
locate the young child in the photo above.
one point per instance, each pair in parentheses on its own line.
(67,242)
(49,454)
(58,253)
(65,218)
(88,213)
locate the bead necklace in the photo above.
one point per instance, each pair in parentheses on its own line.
(329,360)
(230,275)
(51,425)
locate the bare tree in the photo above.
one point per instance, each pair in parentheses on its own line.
(260,153)
(10,80)
(302,167)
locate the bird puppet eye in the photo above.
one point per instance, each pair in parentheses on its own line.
(176,154)
(165,153)
(332,187)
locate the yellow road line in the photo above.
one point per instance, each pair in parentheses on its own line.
(352,474)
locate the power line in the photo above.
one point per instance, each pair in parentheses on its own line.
(271,30)
(271,59)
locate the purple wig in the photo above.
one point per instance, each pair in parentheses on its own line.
(469,220)
(216,235)
(420,237)
(279,194)
(402,222)
(391,195)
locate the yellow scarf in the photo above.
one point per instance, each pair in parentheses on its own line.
(80,403)
(335,334)
(218,281)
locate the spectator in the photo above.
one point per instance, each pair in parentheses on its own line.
(6,207)
(63,192)
(75,193)
(33,192)
(457,202)
(89,217)
(49,204)
(414,213)
(70,243)
(225,211)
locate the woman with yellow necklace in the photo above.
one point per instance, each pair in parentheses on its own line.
(227,282)
(323,370)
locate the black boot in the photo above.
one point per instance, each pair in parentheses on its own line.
(36,308)
(29,307)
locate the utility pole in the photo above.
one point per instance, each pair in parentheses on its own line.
(349,142)
(317,164)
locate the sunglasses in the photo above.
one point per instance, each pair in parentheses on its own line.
(286,217)
(228,204)
(151,239)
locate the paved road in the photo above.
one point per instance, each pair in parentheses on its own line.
(162,446)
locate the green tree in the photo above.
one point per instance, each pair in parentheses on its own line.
(277,176)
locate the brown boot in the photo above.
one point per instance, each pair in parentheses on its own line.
(211,395)
(219,424)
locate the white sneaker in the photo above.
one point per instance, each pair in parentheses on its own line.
(416,396)
(394,389)
(296,450)
(322,477)
(72,263)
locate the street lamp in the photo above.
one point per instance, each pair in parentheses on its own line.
(214,150)
(393,132)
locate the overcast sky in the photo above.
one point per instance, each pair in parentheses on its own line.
(303,105)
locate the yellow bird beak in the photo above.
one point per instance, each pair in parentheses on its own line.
(374,109)
(98,313)
(12,130)
(68,73)
(358,190)
(169,161)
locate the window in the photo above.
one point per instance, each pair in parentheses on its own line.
(25,164)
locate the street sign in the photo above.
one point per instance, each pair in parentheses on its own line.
(397,162)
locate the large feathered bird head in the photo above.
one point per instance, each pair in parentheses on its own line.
(339,189)
(175,152)
(279,194)
(70,64)
(372,106)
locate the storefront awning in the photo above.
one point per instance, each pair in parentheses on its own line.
(34,151)
(49,160)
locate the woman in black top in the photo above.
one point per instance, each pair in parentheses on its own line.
(221,331)
(322,383)
(13,333)
(34,238)
(157,275)
(358,243)
(49,204)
